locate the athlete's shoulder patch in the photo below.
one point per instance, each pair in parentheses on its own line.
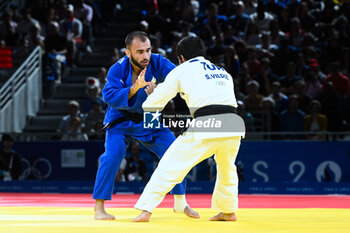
(120,61)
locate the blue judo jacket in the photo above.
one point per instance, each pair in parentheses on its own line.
(115,92)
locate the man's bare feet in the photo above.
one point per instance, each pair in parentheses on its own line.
(190,212)
(100,212)
(143,217)
(224,217)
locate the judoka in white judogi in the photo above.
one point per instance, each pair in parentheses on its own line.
(209,93)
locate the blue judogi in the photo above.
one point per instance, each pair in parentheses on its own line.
(115,94)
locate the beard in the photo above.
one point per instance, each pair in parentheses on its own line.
(138,64)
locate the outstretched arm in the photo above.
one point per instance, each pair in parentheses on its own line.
(163,93)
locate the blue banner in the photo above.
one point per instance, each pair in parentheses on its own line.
(294,161)
(267,161)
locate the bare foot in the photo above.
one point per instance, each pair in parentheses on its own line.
(190,212)
(143,217)
(103,215)
(224,217)
(100,212)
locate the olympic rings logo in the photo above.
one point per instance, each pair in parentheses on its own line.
(41,169)
(220,83)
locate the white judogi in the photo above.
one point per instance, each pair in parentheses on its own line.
(200,83)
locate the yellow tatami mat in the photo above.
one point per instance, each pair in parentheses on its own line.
(80,220)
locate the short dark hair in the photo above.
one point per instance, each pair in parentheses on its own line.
(132,35)
(191,47)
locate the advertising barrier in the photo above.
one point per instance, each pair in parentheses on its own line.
(286,167)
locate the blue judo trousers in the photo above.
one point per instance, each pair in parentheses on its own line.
(115,94)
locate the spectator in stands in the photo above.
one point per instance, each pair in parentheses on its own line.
(27,23)
(155,21)
(114,56)
(301,67)
(315,68)
(74,132)
(214,22)
(265,47)
(231,62)
(307,21)
(135,168)
(281,100)
(315,122)
(252,35)
(241,50)
(229,36)
(171,51)
(93,95)
(272,121)
(217,51)
(187,11)
(84,13)
(101,77)
(275,33)
(73,111)
(8,29)
(15,11)
(261,18)
(242,80)
(35,39)
(284,19)
(253,99)
(240,20)
(340,82)
(10,161)
(96,114)
(283,55)
(56,49)
(155,42)
(50,15)
(120,177)
(72,28)
(342,24)
(333,51)
(252,62)
(296,33)
(292,119)
(288,81)
(185,30)
(303,98)
(313,85)
(265,77)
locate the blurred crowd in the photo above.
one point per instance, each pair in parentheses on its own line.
(63,29)
(289,59)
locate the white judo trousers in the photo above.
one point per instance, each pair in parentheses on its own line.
(181,157)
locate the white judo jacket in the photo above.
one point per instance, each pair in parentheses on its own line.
(200,83)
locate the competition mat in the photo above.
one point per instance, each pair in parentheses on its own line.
(63,213)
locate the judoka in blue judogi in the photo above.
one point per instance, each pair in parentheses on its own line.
(124,97)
